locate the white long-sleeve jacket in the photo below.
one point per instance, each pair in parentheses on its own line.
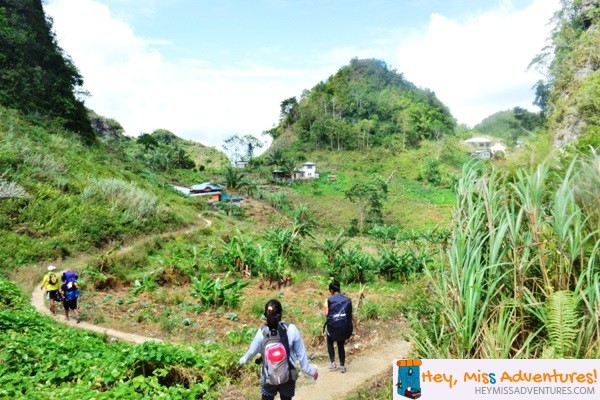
(297,350)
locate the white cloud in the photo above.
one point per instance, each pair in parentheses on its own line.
(476,67)
(479,66)
(130,81)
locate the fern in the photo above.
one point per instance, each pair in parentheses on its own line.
(562,318)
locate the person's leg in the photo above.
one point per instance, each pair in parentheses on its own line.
(331,352)
(342,355)
(66,307)
(52,306)
(76,310)
(265,397)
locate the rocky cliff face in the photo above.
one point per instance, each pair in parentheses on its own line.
(107,128)
(577,105)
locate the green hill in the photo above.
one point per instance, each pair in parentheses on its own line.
(69,197)
(36,77)
(365,104)
(398,214)
(510,125)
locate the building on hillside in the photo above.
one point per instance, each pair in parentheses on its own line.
(278,175)
(205,189)
(307,171)
(240,163)
(481,147)
(225,197)
(479,143)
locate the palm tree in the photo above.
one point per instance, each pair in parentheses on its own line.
(275,157)
(235,180)
(289,166)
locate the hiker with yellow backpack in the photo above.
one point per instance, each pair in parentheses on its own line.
(52,285)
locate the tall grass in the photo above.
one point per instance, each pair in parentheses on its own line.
(522,276)
(122,197)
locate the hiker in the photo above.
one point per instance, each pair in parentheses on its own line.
(280,347)
(70,290)
(51,285)
(339,325)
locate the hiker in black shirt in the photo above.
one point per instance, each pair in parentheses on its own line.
(339,325)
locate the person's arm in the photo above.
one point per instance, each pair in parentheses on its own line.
(44,281)
(254,348)
(326,309)
(299,352)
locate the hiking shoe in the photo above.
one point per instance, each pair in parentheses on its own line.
(342,369)
(77,320)
(333,366)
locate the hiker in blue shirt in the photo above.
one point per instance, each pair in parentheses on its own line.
(281,348)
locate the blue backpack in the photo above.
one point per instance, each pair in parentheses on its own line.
(72,294)
(69,277)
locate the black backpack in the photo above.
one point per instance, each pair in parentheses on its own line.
(52,278)
(339,318)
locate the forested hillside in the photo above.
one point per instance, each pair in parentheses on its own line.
(365,104)
(36,76)
(510,125)
(573,66)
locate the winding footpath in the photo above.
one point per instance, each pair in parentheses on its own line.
(330,384)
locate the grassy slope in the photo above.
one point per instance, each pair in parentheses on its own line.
(411,204)
(56,218)
(56,221)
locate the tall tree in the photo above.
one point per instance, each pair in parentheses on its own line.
(238,147)
(368,197)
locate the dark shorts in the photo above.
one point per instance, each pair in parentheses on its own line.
(70,305)
(52,294)
(288,389)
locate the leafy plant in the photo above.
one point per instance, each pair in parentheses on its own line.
(353,266)
(218,292)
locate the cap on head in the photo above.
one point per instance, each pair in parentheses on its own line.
(51,267)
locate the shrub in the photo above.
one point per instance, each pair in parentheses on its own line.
(216,292)
(352,266)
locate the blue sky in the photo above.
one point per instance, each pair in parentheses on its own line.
(206,70)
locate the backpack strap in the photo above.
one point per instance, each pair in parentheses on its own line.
(282,329)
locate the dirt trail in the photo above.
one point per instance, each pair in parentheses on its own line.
(330,384)
(37,301)
(335,385)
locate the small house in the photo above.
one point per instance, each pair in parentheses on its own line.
(240,163)
(307,171)
(205,189)
(479,143)
(481,147)
(278,175)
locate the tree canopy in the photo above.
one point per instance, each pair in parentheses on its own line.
(36,76)
(364,104)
